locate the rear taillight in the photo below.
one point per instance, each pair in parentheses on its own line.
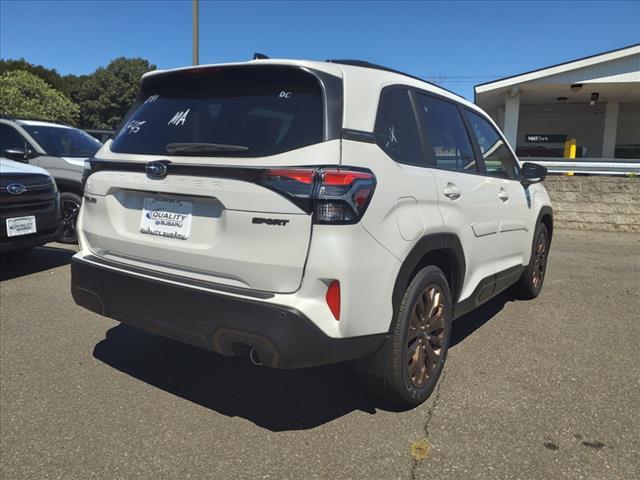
(332,195)
(342,195)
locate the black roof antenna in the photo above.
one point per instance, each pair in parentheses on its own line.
(260,56)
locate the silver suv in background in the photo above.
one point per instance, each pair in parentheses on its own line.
(59,149)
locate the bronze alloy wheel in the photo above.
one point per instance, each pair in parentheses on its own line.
(426,335)
(540,260)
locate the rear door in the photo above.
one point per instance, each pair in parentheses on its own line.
(229,208)
(469,206)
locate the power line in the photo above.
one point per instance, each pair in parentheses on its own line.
(461,78)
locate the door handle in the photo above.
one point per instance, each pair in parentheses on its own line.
(503,194)
(451,191)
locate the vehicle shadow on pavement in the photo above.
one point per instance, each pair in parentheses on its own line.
(40,259)
(278,400)
(472,321)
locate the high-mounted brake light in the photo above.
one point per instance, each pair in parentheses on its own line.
(335,196)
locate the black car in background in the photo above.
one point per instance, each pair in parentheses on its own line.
(29,207)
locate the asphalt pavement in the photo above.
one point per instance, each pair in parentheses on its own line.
(542,389)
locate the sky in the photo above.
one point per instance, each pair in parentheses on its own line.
(455,44)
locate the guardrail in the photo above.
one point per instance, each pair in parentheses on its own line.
(588,166)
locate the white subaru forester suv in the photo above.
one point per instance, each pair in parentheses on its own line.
(306,213)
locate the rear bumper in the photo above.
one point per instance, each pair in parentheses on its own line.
(230,325)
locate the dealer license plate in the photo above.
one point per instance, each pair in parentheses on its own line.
(21,226)
(166,218)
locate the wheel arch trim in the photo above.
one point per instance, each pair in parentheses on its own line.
(65,185)
(546,212)
(447,243)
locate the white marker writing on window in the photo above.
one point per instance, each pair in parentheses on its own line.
(392,136)
(134,126)
(179,118)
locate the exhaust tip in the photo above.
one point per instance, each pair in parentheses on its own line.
(254,357)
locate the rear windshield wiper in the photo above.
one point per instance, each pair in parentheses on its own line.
(194,147)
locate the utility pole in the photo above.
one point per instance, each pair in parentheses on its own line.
(196,39)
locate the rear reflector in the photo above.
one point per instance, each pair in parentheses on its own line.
(333,298)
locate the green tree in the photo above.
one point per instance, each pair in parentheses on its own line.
(104,97)
(49,75)
(25,95)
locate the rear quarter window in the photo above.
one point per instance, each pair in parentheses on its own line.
(396,131)
(247,111)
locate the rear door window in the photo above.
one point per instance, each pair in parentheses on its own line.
(498,160)
(241,111)
(449,143)
(396,130)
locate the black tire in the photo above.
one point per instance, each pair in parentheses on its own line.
(530,283)
(69,209)
(398,384)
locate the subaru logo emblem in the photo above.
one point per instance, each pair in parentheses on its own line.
(156,169)
(16,188)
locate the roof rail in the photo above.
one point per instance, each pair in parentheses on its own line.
(35,119)
(365,64)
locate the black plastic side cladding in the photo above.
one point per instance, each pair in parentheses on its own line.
(446,242)
(546,212)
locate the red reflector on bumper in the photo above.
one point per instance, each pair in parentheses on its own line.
(333,298)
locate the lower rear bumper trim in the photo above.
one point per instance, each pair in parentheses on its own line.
(282,336)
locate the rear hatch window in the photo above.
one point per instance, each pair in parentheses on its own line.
(224,111)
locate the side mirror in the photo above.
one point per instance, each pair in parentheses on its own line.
(532,173)
(17,154)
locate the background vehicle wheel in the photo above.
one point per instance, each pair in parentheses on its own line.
(419,339)
(530,284)
(69,208)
